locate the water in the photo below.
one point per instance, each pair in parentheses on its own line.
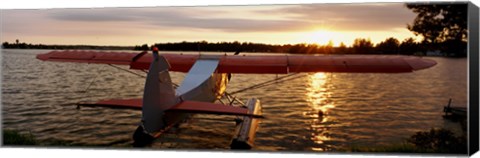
(359,109)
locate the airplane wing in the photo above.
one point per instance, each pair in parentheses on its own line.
(185,106)
(263,64)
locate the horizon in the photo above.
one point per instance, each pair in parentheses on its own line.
(267,24)
(208,42)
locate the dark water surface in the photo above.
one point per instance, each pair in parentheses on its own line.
(360,109)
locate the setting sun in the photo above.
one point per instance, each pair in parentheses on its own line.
(324,37)
(321,37)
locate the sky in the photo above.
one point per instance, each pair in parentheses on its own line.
(270,24)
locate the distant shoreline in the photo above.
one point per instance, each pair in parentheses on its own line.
(186,51)
(303,48)
(41,46)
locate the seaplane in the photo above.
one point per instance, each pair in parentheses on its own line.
(166,105)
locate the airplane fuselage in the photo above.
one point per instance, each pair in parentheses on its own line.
(210,90)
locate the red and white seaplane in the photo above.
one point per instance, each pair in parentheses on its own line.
(163,106)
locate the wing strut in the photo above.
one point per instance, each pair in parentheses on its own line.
(270,82)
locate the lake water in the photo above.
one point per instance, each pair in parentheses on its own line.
(360,109)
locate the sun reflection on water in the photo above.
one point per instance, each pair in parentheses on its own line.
(318,98)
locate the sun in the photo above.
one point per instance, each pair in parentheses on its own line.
(321,37)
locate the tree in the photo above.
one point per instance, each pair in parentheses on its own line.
(145,47)
(342,49)
(409,47)
(362,46)
(389,46)
(329,47)
(439,23)
(5,45)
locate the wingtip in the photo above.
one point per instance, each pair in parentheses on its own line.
(43,57)
(46,56)
(420,63)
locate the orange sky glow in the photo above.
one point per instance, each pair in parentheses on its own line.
(270,24)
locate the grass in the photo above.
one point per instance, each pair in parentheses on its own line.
(11,137)
(16,138)
(395,148)
(433,141)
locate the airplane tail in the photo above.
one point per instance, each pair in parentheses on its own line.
(158,96)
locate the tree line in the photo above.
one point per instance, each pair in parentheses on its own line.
(23,45)
(443,26)
(360,46)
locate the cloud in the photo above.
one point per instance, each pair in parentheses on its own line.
(238,25)
(91,16)
(362,17)
(54,22)
(179,17)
